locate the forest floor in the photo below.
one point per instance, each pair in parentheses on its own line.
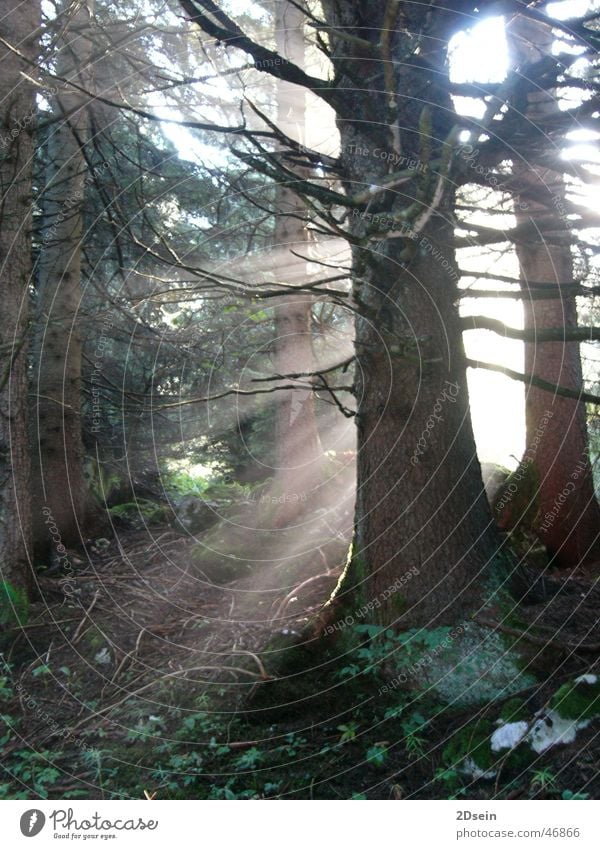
(144,672)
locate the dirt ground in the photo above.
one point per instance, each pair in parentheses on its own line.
(156,627)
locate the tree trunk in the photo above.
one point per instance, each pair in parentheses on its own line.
(19,26)
(568,518)
(59,483)
(424,537)
(298,447)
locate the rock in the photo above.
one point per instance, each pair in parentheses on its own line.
(195,514)
(508,735)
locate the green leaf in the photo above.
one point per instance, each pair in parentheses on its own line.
(377,754)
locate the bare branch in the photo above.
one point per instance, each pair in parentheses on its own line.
(540,383)
(217,24)
(544,334)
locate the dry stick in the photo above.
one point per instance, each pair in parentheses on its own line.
(77,634)
(263,672)
(43,624)
(282,606)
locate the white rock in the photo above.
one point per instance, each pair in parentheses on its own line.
(586,679)
(469,767)
(508,735)
(551,729)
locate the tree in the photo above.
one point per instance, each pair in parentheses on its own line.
(298,445)
(557,451)
(58,482)
(421,505)
(18,47)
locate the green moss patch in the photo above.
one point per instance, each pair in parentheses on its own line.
(579,699)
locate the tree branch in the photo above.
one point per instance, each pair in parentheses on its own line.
(545,334)
(540,383)
(217,24)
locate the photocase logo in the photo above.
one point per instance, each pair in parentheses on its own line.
(32,822)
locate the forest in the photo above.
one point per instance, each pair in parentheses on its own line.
(299,400)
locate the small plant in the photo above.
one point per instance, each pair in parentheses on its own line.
(414,742)
(543,779)
(349,731)
(569,795)
(150,726)
(249,759)
(377,754)
(14,605)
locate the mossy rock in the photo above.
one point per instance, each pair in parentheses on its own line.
(141,511)
(578,700)
(471,743)
(514,710)
(478,667)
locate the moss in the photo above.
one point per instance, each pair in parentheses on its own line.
(94,638)
(14,605)
(514,710)
(577,700)
(517,502)
(350,591)
(471,742)
(151,511)
(398,602)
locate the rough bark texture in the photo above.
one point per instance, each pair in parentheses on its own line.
(424,537)
(18,25)
(568,518)
(59,483)
(297,436)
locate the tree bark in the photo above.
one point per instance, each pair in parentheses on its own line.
(59,482)
(298,447)
(568,518)
(19,26)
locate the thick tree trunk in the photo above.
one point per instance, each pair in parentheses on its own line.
(298,448)
(59,483)
(19,25)
(424,537)
(568,518)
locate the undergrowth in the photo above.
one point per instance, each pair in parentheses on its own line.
(386,747)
